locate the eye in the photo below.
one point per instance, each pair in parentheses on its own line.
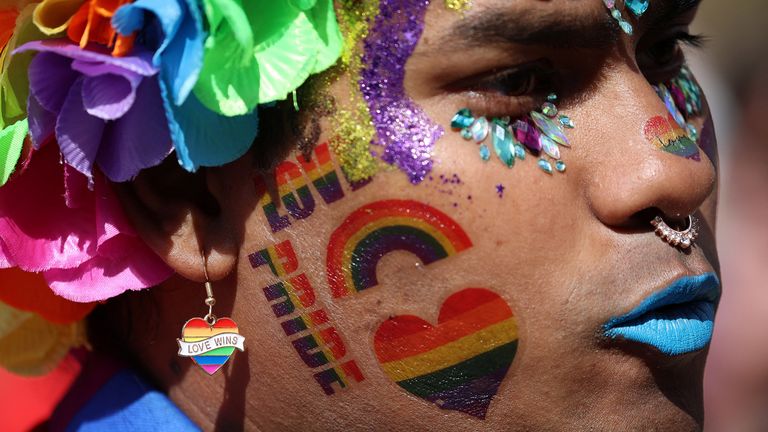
(507,92)
(661,59)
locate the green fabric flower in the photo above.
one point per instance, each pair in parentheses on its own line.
(259,51)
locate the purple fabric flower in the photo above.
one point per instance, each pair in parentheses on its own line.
(103,110)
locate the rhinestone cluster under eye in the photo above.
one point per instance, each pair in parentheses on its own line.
(540,133)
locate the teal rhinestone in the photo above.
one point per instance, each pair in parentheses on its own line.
(552,97)
(560,166)
(566,122)
(626,27)
(693,133)
(479,129)
(616,14)
(545,166)
(485,153)
(466,134)
(637,7)
(519,152)
(502,143)
(549,109)
(462,119)
(549,147)
(550,127)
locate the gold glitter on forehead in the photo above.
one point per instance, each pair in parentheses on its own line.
(458,5)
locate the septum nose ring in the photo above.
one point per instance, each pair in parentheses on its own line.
(681,239)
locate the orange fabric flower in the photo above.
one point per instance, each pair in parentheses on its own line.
(92,23)
(29,292)
(7,24)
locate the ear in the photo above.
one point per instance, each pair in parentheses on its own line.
(182,215)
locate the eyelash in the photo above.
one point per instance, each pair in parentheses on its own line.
(484,93)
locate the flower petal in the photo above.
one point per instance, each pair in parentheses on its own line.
(109,96)
(180,54)
(42,123)
(79,134)
(138,140)
(11,143)
(139,62)
(30,345)
(102,278)
(211,139)
(29,292)
(41,233)
(50,77)
(53,16)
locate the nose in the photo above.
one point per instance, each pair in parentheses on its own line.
(628,170)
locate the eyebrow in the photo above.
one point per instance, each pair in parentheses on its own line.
(669,10)
(505,27)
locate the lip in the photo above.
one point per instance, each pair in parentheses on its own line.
(676,320)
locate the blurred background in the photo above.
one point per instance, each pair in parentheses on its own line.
(733,70)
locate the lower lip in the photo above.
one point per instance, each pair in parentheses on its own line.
(673,330)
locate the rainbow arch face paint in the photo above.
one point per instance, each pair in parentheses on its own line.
(677,320)
(374,230)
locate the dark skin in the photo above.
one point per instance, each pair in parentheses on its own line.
(565,252)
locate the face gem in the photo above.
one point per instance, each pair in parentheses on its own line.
(549,109)
(549,147)
(560,166)
(566,122)
(550,128)
(526,133)
(502,144)
(480,129)
(637,7)
(462,119)
(519,152)
(485,153)
(545,166)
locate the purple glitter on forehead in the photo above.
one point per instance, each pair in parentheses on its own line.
(402,128)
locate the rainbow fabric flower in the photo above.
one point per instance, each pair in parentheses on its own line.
(103,110)
(80,240)
(201,137)
(259,52)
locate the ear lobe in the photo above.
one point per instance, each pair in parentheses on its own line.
(179,215)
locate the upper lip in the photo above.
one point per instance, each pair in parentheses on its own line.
(687,289)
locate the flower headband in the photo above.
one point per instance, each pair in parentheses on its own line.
(107,88)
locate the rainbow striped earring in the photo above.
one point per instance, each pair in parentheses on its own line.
(210,341)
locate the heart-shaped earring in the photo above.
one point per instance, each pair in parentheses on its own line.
(210,341)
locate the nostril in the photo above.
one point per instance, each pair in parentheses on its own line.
(642,220)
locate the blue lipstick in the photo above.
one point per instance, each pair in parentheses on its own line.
(677,320)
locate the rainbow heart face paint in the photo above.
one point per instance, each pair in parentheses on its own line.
(457,364)
(677,320)
(665,134)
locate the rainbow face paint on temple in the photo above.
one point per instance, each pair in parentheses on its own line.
(666,135)
(375,230)
(457,364)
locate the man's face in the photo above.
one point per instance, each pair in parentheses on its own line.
(477,298)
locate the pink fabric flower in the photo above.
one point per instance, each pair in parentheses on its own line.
(80,240)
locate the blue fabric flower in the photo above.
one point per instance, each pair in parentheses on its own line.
(174,28)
